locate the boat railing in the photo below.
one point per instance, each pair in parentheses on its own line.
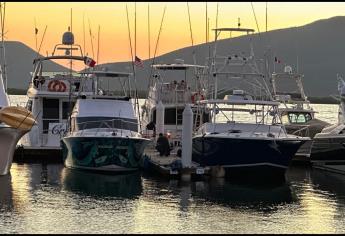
(110,125)
(272,130)
(61,83)
(304,131)
(170,93)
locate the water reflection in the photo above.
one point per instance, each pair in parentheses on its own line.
(6,197)
(263,197)
(101,185)
(49,198)
(331,183)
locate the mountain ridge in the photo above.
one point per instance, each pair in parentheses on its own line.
(318,46)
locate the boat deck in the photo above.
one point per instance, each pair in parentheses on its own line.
(163,165)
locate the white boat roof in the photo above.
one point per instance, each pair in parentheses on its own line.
(113,74)
(176,66)
(103,108)
(286,75)
(240,102)
(62,57)
(283,110)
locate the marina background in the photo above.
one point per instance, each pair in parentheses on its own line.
(49,198)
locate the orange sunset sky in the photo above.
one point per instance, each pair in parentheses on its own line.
(112,19)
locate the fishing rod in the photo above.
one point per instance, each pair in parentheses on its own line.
(99,29)
(154,56)
(3,69)
(93,52)
(133,68)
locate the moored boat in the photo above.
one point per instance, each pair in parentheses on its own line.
(297,114)
(51,96)
(328,148)
(245,136)
(104,133)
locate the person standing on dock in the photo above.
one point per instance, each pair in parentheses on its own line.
(163,146)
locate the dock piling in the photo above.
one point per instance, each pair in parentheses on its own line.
(187,123)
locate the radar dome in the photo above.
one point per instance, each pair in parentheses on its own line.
(68,38)
(179,61)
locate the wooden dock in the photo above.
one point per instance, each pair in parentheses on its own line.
(168,166)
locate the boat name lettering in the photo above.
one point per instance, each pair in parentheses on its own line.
(59,129)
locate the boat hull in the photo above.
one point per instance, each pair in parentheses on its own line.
(246,157)
(328,150)
(9,137)
(103,154)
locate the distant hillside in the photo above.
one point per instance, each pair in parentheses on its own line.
(319,46)
(19,61)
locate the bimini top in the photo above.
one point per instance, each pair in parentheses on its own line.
(79,58)
(285,111)
(107,73)
(103,108)
(176,66)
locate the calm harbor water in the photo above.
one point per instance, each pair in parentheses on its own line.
(48,198)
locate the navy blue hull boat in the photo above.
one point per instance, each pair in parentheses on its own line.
(244,156)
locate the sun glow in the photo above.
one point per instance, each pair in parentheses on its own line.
(87,17)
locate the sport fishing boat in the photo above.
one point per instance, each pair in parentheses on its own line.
(328,150)
(245,136)
(104,133)
(51,96)
(174,85)
(297,114)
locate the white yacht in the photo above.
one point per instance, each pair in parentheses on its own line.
(104,131)
(297,114)
(51,96)
(174,88)
(245,135)
(14,123)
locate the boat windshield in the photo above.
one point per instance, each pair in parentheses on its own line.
(83,123)
(296,118)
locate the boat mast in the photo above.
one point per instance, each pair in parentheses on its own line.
(70,80)
(214,70)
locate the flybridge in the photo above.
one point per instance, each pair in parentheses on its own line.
(107,73)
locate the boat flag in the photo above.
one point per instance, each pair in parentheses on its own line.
(277,60)
(89,61)
(138,62)
(36,31)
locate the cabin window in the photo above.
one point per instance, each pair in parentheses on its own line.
(82,123)
(170,116)
(65,111)
(29,105)
(299,118)
(50,113)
